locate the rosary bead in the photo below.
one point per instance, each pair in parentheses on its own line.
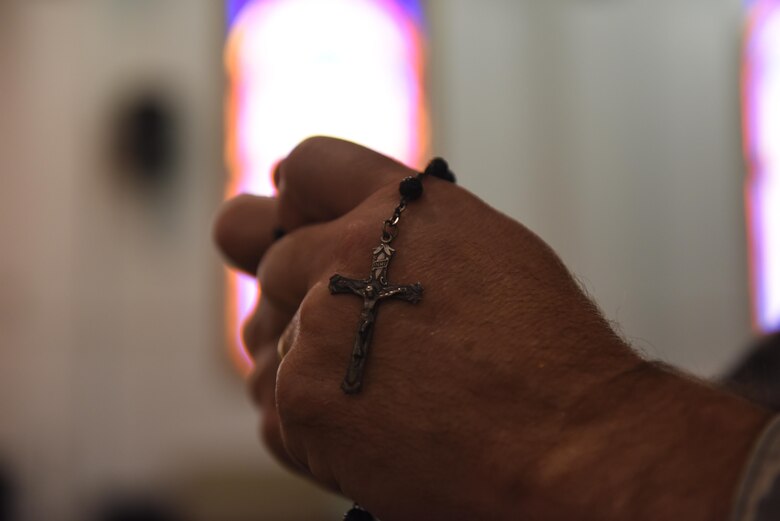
(411,188)
(279,233)
(438,167)
(358,514)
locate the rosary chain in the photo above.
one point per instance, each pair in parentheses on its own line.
(390,226)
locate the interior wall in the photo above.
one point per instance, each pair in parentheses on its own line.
(612,129)
(113,374)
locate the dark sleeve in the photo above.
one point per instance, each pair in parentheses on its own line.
(758,497)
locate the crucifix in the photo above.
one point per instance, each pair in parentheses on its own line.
(373,290)
(376,288)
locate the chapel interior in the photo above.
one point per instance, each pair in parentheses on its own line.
(625,133)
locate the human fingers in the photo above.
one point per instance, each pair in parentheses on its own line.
(287,271)
(294,263)
(286,274)
(244,229)
(320,180)
(324,178)
(264,326)
(262,385)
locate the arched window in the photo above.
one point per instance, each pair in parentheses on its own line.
(346,68)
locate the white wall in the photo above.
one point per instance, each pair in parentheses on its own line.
(112,370)
(612,129)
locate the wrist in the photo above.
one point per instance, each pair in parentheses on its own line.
(650,444)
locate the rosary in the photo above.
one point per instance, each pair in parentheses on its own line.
(377,288)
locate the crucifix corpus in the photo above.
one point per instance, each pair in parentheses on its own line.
(373,290)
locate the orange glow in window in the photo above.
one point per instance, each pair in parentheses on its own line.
(296,68)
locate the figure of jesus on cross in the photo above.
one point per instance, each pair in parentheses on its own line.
(374,289)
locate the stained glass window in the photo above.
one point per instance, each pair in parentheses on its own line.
(346,68)
(761,109)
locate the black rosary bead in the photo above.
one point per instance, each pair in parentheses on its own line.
(278,233)
(411,188)
(358,514)
(438,167)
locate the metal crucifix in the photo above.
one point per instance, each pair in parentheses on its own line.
(374,289)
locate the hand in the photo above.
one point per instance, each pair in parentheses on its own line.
(504,394)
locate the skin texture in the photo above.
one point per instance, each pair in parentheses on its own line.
(504,394)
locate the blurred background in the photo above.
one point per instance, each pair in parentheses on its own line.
(635,136)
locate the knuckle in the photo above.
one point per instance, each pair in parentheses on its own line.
(294,398)
(352,241)
(229,221)
(299,157)
(270,261)
(273,271)
(315,142)
(312,312)
(290,266)
(270,434)
(302,368)
(259,328)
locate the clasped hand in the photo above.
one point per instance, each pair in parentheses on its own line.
(495,397)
